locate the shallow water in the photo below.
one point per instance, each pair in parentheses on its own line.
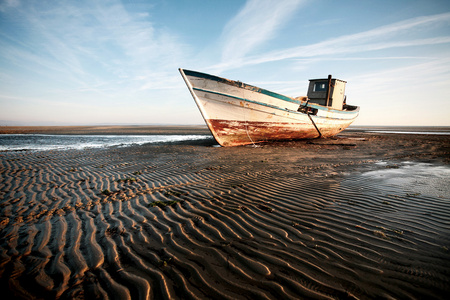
(411,132)
(416,130)
(414,178)
(38,142)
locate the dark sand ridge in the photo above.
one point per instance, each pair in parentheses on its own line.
(186,220)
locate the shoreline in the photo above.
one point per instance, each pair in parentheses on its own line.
(173,129)
(107,130)
(362,215)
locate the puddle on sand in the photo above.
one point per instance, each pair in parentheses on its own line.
(424,178)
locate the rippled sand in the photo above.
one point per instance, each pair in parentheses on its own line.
(365,216)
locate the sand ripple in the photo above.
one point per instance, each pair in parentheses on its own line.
(154,222)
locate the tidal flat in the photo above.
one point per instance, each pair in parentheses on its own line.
(363,215)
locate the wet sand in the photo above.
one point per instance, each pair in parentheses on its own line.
(361,216)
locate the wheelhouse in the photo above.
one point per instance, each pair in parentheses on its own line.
(327,92)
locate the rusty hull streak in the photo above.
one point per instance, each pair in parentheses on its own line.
(235,133)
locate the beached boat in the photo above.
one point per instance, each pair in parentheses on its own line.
(240,114)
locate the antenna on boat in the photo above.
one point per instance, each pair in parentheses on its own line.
(327,103)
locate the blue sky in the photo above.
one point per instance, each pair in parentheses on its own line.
(116,62)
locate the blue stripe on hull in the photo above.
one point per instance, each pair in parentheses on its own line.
(273,106)
(258,90)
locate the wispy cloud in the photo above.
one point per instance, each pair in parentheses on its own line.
(7,4)
(89,43)
(384,37)
(255,24)
(403,79)
(71,59)
(413,94)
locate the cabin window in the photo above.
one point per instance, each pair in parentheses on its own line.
(320,87)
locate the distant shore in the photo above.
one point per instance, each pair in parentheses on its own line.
(173,129)
(108,130)
(359,216)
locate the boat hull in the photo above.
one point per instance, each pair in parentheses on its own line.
(240,114)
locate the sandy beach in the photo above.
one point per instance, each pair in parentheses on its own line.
(360,216)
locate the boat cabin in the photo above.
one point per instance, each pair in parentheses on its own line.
(327,92)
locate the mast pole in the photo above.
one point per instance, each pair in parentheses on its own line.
(328,91)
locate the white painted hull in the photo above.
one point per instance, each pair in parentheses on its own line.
(239,114)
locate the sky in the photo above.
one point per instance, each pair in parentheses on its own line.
(113,62)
